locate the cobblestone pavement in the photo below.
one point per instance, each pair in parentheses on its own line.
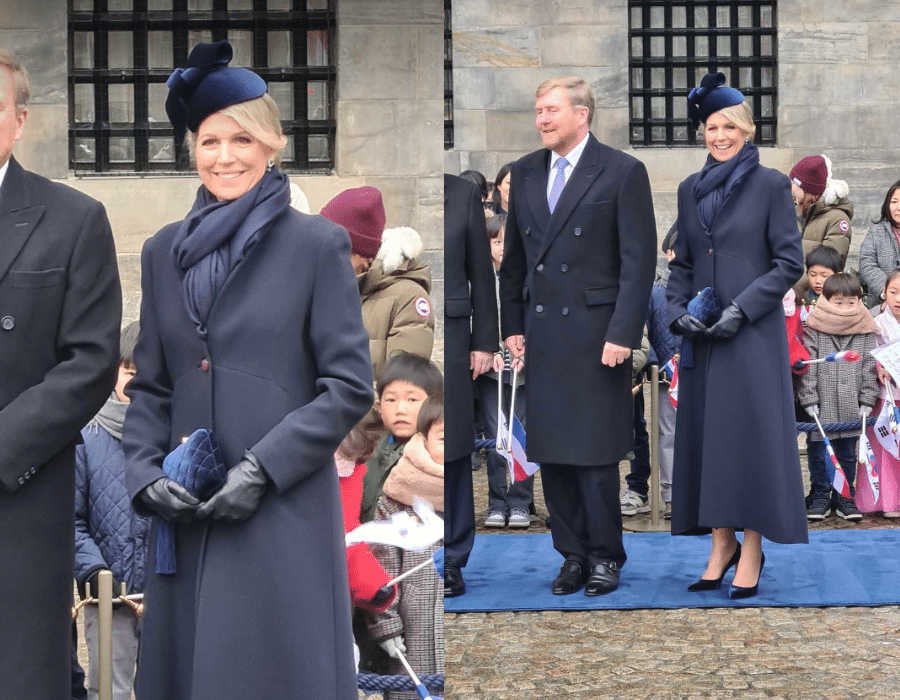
(798,653)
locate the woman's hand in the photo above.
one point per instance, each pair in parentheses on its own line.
(170,500)
(883,375)
(729,323)
(239,498)
(688,326)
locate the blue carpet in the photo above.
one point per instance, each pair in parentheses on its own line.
(836,568)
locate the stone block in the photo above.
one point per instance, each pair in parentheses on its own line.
(802,86)
(43,53)
(321,189)
(795,126)
(857,85)
(846,42)
(472,13)
(469,130)
(452,162)
(884,37)
(418,136)
(390,12)
(611,127)
(511,131)
(367,145)
(401,200)
(130,276)
(502,47)
(473,88)
(43,147)
(34,14)
(585,45)
(430,69)
(539,12)
(795,12)
(377,61)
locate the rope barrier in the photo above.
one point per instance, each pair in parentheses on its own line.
(371,683)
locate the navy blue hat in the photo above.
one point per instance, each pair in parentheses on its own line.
(207,85)
(710,97)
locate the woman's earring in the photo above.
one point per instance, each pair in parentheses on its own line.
(270,165)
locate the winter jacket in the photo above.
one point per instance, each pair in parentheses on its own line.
(396,306)
(828,225)
(387,454)
(878,255)
(108,533)
(663,343)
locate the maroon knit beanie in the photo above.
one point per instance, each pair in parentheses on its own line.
(810,175)
(361,212)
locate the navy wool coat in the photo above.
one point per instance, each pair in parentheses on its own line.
(570,282)
(60,311)
(736,458)
(260,608)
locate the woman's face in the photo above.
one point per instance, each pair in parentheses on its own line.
(723,138)
(229,160)
(894,207)
(504,191)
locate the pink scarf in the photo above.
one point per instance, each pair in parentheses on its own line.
(833,320)
(416,474)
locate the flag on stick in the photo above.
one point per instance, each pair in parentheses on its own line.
(519,466)
(671,370)
(867,462)
(835,473)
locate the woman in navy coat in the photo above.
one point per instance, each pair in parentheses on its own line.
(250,327)
(736,459)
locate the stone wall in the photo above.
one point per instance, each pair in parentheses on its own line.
(836,89)
(389,125)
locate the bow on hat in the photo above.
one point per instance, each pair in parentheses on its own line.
(711,96)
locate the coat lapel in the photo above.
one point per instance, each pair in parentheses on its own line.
(583,176)
(18,218)
(536,192)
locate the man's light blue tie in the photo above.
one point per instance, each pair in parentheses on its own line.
(558,183)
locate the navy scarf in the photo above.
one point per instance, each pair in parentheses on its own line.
(216,235)
(717,179)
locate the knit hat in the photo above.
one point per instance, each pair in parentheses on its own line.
(710,97)
(207,85)
(811,175)
(361,212)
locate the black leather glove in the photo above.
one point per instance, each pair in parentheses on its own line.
(688,326)
(239,498)
(169,500)
(729,323)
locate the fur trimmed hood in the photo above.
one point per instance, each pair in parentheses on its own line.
(299,200)
(398,244)
(834,189)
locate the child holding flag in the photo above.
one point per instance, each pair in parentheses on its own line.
(884,494)
(837,391)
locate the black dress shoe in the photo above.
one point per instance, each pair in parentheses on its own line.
(738,592)
(707,584)
(454,584)
(570,580)
(604,579)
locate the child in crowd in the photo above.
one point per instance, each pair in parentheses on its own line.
(821,263)
(837,391)
(414,622)
(507,504)
(663,348)
(888,501)
(109,535)
(405,381)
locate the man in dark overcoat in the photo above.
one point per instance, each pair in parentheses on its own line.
(575,285)
(60,311)
(470,339)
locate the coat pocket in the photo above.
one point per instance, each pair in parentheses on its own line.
(32,279)
(594,296)
(457,308)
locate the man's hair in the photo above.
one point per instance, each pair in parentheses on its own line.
(580,94)
(430,412)
(406,367)
(826,257)
(495,225)
(843,284)
(127,341)
(20,79)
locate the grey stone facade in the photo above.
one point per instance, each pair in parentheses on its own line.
(836,89)
(389,126)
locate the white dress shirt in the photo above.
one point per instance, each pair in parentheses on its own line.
(572,158)
(3,170)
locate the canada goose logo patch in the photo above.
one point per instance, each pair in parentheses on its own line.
(423,307)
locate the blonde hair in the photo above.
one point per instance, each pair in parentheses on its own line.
(20,79)
(580,94)
(742,117)
(260,118)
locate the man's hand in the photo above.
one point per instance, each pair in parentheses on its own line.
(615,354)
(480,362)
(516,346)
(498,362)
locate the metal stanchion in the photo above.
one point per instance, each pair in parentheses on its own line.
(104,634)
(656,523)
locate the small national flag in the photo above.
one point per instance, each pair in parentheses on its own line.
(886,429)
(671,370)
(438,559)
(835,473)
(867,462)
(519,466)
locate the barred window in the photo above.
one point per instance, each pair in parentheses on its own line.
(121,52)
(674,43)
(448,78)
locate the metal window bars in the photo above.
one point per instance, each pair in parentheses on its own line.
(448,77)
(674,43)
(121,52)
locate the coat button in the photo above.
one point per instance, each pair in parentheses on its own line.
(204,365)
(710,251)
(21,480)
(539,308)
(528,231)
(565,311)
(577,231)
(7,323)
(564,268)
(540,268)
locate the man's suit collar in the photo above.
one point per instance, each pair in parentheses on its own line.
(14,193)
(18,218)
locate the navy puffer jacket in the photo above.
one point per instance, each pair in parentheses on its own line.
(108,533)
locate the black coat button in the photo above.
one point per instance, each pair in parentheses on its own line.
(539,308)
(7,323)
(540,268)
(204,365)
(565,311)
(528,231)
(577,231)
(564,268)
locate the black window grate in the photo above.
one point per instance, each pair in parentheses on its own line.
(674,43)
(448,78)
(121,52)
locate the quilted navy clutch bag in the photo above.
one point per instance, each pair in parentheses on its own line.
(705,308)
(197,465)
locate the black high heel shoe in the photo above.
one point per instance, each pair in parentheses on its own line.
(736,592)
(712,584)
